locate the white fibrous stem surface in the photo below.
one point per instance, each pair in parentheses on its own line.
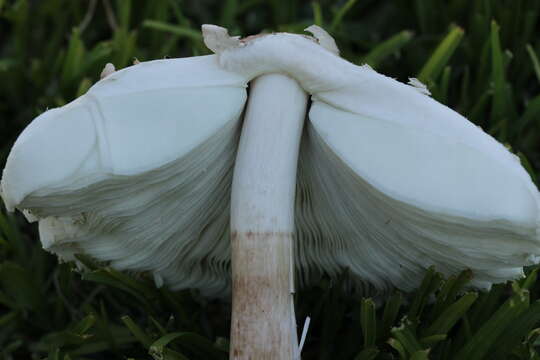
(262,221)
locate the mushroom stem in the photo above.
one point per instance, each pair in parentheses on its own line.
(262,221)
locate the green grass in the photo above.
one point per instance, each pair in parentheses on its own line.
(479,57)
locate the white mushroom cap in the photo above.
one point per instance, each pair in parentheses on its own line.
(136,169)
(137,172)
(135,120)
(391,181)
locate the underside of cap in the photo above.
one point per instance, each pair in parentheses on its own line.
(344,222)
(172,222)
(152,174)
(390,182)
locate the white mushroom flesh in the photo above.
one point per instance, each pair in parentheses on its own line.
(137,172)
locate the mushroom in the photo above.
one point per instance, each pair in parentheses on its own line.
(148,171)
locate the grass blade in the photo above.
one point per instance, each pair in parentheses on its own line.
(137,332)
(479,346)
(534,60)
(368,322)
(390,314)
(387,48)
(338,17)
(451,315)
(317,13)
(179,30)
(441,55)
(499,108)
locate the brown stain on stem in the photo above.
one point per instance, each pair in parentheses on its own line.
(261,323)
